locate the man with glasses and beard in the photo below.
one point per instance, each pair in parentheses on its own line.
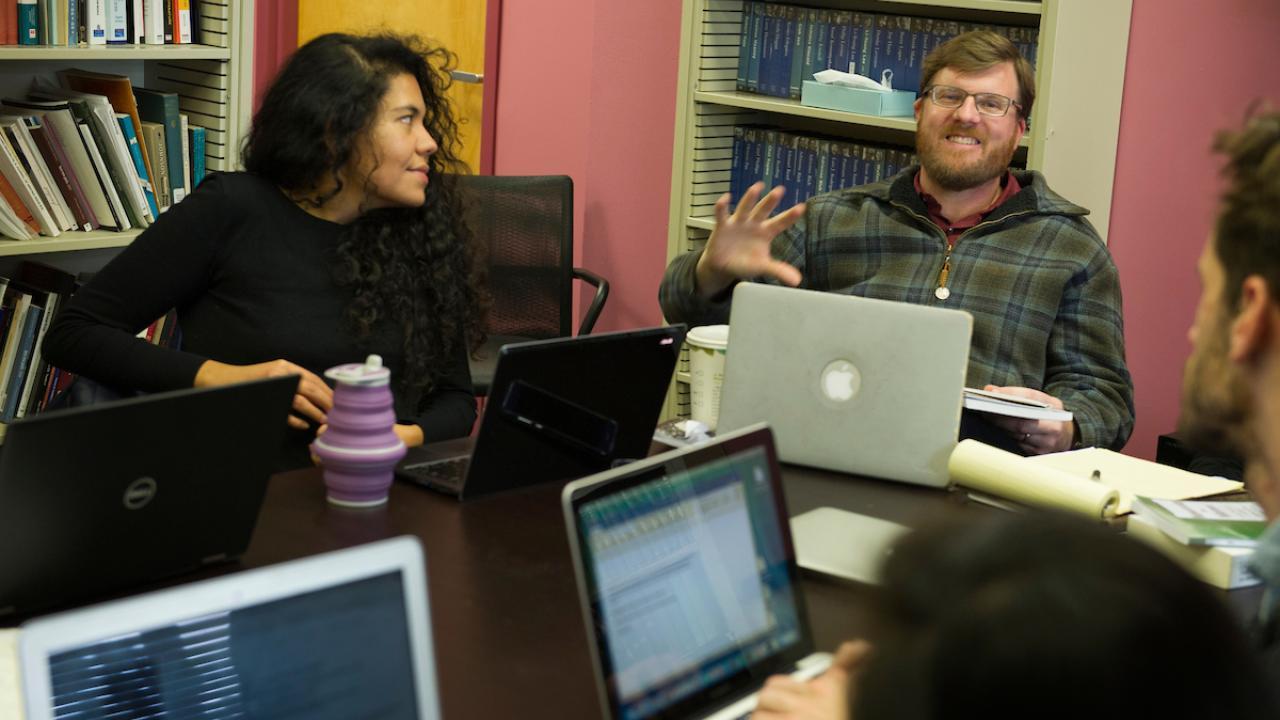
(960,231)
(1231,386)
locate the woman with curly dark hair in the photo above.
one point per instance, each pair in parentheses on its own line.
(342,238)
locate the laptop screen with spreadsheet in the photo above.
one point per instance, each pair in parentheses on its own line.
(691,580)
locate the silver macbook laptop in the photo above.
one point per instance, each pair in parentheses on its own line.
(340,635)
(862,386)
(688,580)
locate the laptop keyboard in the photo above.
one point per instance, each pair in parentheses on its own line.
(445,475)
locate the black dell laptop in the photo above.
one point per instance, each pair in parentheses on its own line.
(557,410)
(98,499)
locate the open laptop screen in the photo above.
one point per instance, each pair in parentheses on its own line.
(338,652)
(690,582)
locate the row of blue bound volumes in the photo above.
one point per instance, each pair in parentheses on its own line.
(783,45)
(807,165)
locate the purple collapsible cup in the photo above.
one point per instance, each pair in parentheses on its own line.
(360,449)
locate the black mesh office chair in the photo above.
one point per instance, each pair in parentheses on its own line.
(526,224)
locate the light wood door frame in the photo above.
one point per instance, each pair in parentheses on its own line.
(492,58)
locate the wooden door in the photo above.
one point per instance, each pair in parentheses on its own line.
(456,24)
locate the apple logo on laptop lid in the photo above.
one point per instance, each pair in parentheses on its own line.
(840,381)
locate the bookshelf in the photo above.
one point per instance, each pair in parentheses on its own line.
(114,52)
(1072,137)
(214,81)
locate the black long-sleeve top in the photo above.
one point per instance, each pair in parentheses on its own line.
(250,274)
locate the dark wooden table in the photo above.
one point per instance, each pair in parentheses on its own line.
(508,633)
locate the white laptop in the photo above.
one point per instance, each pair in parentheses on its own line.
(868,387)
(340,635)
(688,580)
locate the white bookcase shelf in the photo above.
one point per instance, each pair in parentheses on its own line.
(1019,7)
(114,52)
(67,242)
(214,82)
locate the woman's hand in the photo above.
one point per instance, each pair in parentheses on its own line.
(313,400)
(410,434)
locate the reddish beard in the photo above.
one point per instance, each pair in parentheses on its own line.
(958,175)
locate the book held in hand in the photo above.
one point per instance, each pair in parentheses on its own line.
(1225,524)
(1012,406)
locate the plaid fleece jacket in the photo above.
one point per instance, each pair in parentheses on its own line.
(1040,284)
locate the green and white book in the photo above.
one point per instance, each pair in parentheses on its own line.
(1205,522)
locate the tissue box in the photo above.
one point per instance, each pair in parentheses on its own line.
(867,102)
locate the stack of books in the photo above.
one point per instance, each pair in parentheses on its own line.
(93,152)
(1213,540)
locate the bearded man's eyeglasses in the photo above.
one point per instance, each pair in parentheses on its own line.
(989,104)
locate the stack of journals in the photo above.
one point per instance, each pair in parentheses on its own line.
(1213,540)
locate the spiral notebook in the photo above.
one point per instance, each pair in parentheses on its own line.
(1094,482)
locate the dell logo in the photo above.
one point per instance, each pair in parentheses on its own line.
(139,493)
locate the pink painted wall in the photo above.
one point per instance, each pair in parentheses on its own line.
(275,35)
(1191,70)
(588,90)
(542,116)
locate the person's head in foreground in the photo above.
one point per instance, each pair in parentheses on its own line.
(1047,616)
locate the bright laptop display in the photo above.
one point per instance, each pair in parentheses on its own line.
(688,578)
(340,635)
(863,386)
(100,498)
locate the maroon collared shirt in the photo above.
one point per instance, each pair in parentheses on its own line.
(954,228)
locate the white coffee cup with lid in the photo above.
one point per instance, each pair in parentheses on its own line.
(707,347)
